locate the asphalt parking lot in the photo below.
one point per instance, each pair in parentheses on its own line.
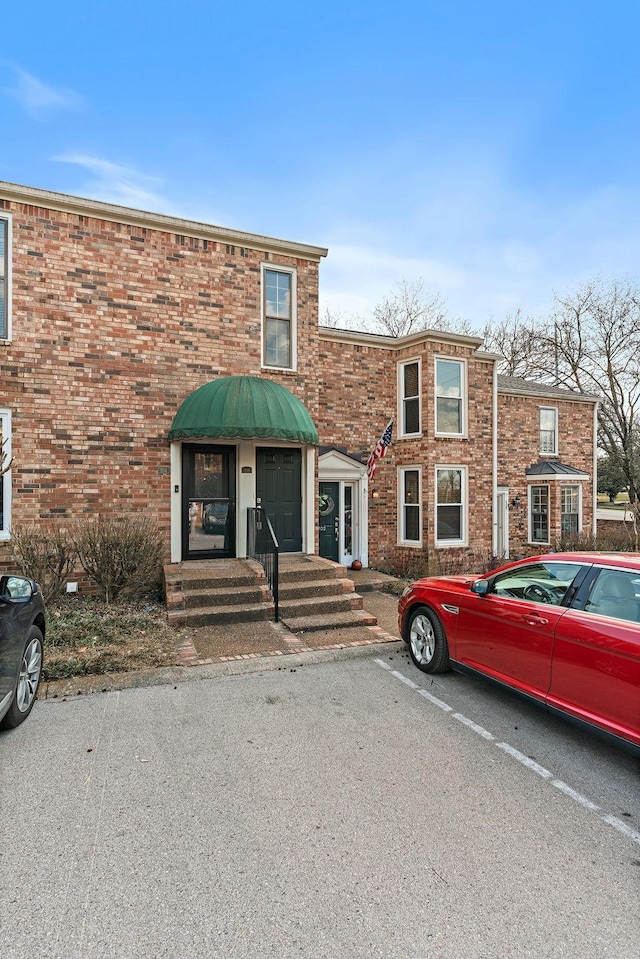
(323,806)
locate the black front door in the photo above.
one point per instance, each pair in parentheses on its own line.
(279,491)
(329,520)
(208,501)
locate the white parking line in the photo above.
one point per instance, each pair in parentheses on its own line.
(480,730)
(579,798)
(405,679)
(436,702)
(623,828)
(526,761)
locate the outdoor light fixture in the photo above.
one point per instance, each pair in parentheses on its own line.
(516,500)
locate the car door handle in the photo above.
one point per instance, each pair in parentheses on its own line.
(535,620)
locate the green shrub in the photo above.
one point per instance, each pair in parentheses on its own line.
(121,554)
(46,553)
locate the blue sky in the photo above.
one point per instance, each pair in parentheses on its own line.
(491,148)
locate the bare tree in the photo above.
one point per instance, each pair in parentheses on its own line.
(410,309)
(592,344)
(518,339)
(339,320)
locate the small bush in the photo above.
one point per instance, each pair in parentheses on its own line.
(121,554)
(618,540)
(45,553)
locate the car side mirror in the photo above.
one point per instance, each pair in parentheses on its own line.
(480,587)
(15,589)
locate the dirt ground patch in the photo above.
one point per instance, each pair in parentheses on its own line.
(87,637)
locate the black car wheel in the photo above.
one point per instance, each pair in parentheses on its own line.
(427,642)
(27,682)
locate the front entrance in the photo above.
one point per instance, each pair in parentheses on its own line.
(208,501)
(329,521)
(336,521)
(279,492)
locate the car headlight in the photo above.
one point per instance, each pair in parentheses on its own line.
(407,590)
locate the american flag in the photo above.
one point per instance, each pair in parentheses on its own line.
(379,450)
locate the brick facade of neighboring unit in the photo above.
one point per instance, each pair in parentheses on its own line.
(116,317)
(359,394)
(113,325)
(520,406)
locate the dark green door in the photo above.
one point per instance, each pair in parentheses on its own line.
(279,490)
(208,501)
(329,520)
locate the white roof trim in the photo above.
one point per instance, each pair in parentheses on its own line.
(156,221)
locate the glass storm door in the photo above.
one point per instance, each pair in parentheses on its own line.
(209,501)
(329,520)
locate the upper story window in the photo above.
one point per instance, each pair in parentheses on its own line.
(279,317)
(450,397)
(549,430)
(5,277)
(409,383)
(451,506)
(5,480)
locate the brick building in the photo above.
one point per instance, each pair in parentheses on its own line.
(479,461)
(155,364)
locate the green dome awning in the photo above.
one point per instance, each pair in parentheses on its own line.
(243,406)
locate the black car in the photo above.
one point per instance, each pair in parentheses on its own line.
(22,629)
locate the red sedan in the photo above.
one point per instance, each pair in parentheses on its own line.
(563,628)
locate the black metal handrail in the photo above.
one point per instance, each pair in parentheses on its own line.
(262,546)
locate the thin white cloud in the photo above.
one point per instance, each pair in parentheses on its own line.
(38,98)
(487,244)
(115,183)
(355,278)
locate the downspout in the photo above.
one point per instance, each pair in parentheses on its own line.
(594,495)
(494,461)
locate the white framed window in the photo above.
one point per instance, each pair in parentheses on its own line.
(409,413)
(570,510)
(549,430)
(5,480)
(539,514)
(278,317)
(410,503)
(451,505)
(5,276)
(451,391)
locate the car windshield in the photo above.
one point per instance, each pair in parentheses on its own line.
(541,582)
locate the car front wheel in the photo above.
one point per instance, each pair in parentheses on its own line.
(427,642)
(27,682)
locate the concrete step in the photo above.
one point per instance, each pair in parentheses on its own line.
(314,594)
(194,580)
(227,597)
(342,620)
(298,589)
(218,616)
(320,605)
(310,571)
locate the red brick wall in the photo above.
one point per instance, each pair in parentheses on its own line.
(518,448)
(113,326)
(358,385)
